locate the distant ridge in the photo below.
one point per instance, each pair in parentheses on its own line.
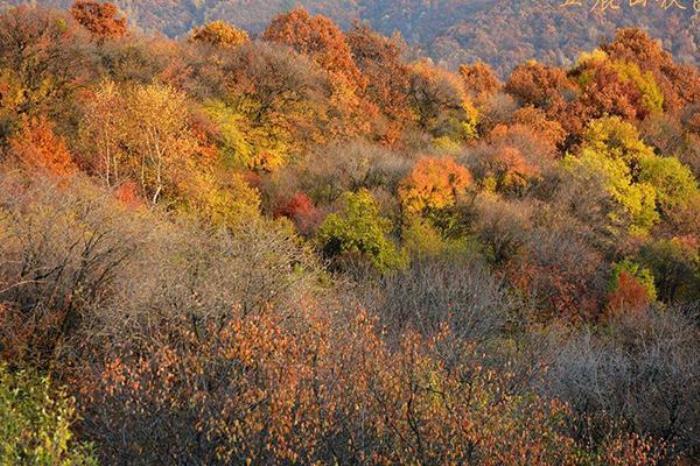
(499,32)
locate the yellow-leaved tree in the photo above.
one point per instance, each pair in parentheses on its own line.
(219,34)
(141,133)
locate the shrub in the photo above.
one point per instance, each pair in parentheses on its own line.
(422,239)
(637,372)
(359,230)
(506,170)
(301,210)
(434,184)
(631,288)
(675,264)
(461,294)
(36,421)
(37,147)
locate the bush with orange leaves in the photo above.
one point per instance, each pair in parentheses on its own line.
(558,277)
(128,194)
(417,406)
(211,393)
(263,389)
(434,184)
(36,146)
(506,170)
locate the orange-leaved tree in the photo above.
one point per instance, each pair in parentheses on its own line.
(434,184)
(480,81)
(441,104)
(379,59)
(101,19)
(322,40)
(36,146)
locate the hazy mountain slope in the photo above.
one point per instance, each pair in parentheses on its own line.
(500,32)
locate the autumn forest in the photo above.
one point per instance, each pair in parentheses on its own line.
(310,242)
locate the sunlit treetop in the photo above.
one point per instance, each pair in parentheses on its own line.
(101,19)
(320,38)
(616,138)
(380,61)
(480,80)
(539,85)
(220,34)
(680,84)
(633,206)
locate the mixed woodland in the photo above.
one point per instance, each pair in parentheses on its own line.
(307,243)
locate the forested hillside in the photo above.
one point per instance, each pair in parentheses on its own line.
(309,246)
(501,33)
